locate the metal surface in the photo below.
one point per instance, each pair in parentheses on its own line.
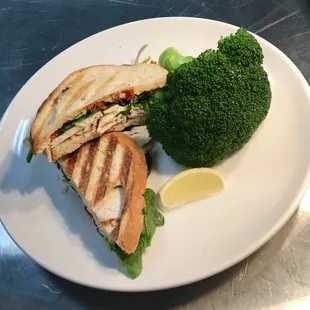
(275,277)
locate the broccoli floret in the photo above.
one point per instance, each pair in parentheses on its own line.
(212,105)
(241,48)
(171,59)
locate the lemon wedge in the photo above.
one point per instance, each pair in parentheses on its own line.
(190,185)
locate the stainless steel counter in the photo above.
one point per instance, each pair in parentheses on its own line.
(275,277)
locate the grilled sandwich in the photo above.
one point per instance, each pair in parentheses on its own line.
(110,174)
(97,171)
(91,102)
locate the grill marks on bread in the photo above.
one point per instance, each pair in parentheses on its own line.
(100,166)
(82,88)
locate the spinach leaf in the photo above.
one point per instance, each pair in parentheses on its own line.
(78,119)
(65,128)
(152,218)
(132,262)
(146,60)
(29,156)
(127,109)
(141,101)
(111,247)
(145,100)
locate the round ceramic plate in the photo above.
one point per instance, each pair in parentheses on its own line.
(264,181)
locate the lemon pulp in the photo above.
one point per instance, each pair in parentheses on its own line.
(190,185)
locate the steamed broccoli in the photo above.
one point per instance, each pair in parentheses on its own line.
(171,58)
(213,104)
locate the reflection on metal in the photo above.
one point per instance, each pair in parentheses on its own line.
(275,277)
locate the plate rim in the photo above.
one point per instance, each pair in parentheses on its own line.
(279,224)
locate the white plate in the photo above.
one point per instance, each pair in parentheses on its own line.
(265,180)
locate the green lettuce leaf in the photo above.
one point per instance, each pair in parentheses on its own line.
(29,156)
(152,218)
(78,119)
(141,101)
(131,262)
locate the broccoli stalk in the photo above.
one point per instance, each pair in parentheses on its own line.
(213,104)
(171,59)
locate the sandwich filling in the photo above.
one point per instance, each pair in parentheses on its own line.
(99,119)
(132,107)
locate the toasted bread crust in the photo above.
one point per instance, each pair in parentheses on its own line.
(132,218)
(82,88)
(47,106)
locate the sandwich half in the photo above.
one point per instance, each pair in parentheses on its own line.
(110,175)
(92,101)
